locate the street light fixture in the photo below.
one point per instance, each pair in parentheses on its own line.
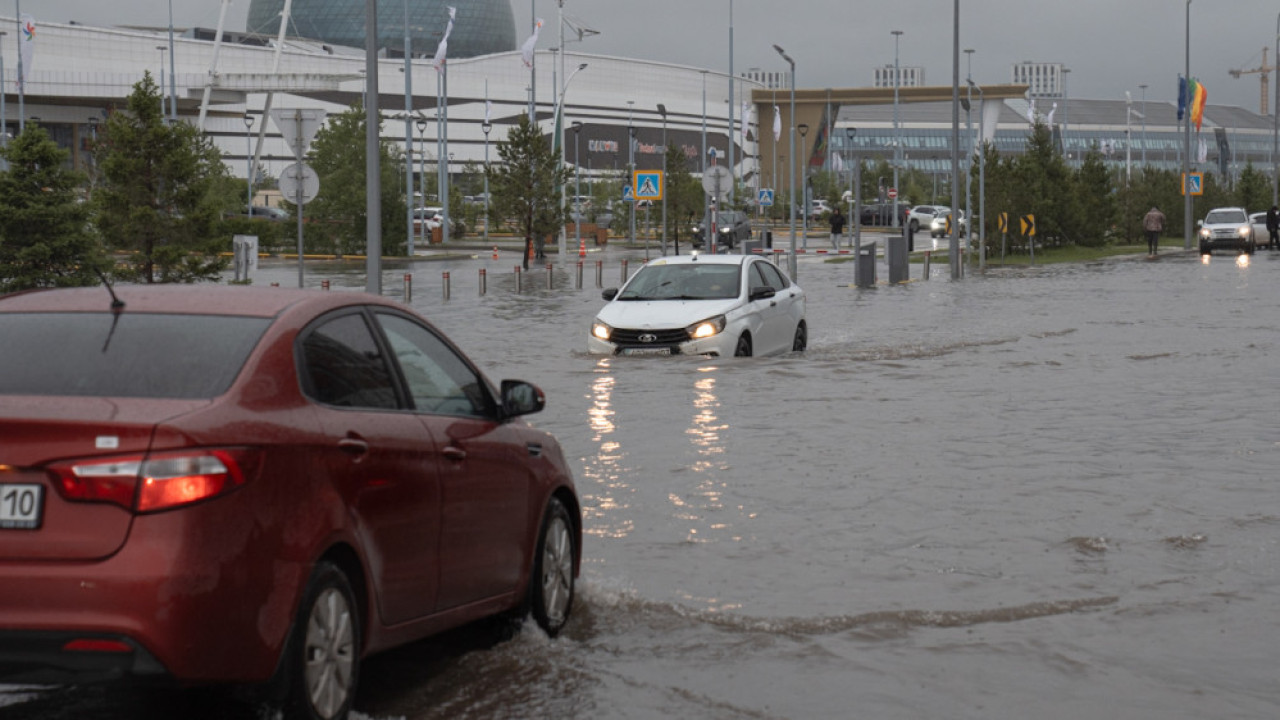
(248,164)
(662,110)
(792,135)
(557,126)
(897,131)
(577,187)
(422,177)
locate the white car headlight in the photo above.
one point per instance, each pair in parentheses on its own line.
(1205,232)
(601,330)
(706,328)
(1244,231)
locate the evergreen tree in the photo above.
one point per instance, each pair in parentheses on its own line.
(526,185)
(1096,200)
(1253,189)
(160,196)
(340,210)
(684,195)
(44,240)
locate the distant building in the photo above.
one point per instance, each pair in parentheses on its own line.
(909,76)
(770,79)
(1046,80)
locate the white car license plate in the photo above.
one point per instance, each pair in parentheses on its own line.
(20,506)
(647,351)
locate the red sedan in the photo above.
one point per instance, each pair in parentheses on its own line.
(260,486)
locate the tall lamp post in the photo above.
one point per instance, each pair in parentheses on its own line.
(1275,128)
(804,185)
(1186,145)
(557,126)
(631,164)
(4,116)
(163,92)
(1143,87)
(248,164)
(577,187)
(982,180)
(422,178)
(897,131)
(662,110)
(486,127)
(792,135)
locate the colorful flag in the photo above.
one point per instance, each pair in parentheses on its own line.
(777,123)
(1182,96)
(1198,99)
(26,48)
(443,48)
(526,50)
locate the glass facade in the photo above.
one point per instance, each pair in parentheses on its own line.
(481,27)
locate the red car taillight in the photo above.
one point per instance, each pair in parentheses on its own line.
(158,481)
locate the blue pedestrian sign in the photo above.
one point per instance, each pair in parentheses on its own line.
(766,197)
(627,195)
(648,184)
(1193,183)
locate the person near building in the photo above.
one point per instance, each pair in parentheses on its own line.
(1273,228)
(1153,224)
(837,227)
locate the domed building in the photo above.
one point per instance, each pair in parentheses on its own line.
(482,26)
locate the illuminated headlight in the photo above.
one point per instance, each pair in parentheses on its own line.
(1205,232)
(1244,231)
(706,328)
(600,330)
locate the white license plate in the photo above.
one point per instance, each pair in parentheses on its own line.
(20,506)
(647,351)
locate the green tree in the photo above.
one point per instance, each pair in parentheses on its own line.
(1096,200)
(1253,189)
(684,194)
(526,185)
(1044,187)
(44,235)
(160,195)
(340,210)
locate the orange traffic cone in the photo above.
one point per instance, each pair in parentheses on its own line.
(582,247)
(495,252)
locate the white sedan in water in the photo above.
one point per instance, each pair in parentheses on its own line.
(716,305)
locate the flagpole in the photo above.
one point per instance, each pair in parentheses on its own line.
(1186,156)
(408,134)
(533,62)
(22,76)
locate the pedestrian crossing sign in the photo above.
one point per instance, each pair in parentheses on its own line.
(648,184)
(627,195)
(766,197)
(1193,183)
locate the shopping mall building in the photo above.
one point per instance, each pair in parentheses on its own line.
(79,74)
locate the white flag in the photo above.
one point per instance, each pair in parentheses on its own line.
(1203,153)
(488,110)
(443,48)
(1052,110)
(837,162)
(26,48)
(777,123)
(1031,112)
(746,115)
(526,50)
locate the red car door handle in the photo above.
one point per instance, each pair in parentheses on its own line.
(353,446)
(455,453)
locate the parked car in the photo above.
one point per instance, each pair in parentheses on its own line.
(267,212)
(732,227)
(921,216)
(938,226)
(428,215)
(716,305)
(818,208)
(1261,236)
(260,487)
(1226,228)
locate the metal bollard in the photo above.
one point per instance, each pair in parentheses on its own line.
(484,281)
(324,284)
(549,276)
(578,281)
(599,273)
(446,284)
(275,284)
(624,271)
(519,284)
(408,288)
(928,255)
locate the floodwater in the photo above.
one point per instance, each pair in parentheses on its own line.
(1036,493)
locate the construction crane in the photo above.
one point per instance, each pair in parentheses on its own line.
(1265,69)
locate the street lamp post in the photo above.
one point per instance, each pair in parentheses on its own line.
(897,129)
(631,164)
(662,110)
(577,188)
(1128,138)
(486,127)
(557,126)
(163,92)
(1186,144)
(1143,86)
(792,63)
(4,116)
(982,180)
(804,186)
(422,178)
(968,163)
(1275,128)
(248,164)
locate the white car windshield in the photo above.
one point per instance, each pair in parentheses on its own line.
(690,281)
(1222,217)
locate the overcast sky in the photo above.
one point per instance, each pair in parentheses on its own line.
(1110,45)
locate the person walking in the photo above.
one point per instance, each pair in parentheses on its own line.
(837,228)
(1273,228)
(1153,223)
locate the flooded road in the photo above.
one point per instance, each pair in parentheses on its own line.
(1043,492)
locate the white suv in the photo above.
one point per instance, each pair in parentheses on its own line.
(922,216)
(1226,228)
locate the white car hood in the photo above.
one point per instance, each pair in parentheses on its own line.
(662,314)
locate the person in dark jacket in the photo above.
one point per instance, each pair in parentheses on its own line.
(1273,228)
(837,227)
